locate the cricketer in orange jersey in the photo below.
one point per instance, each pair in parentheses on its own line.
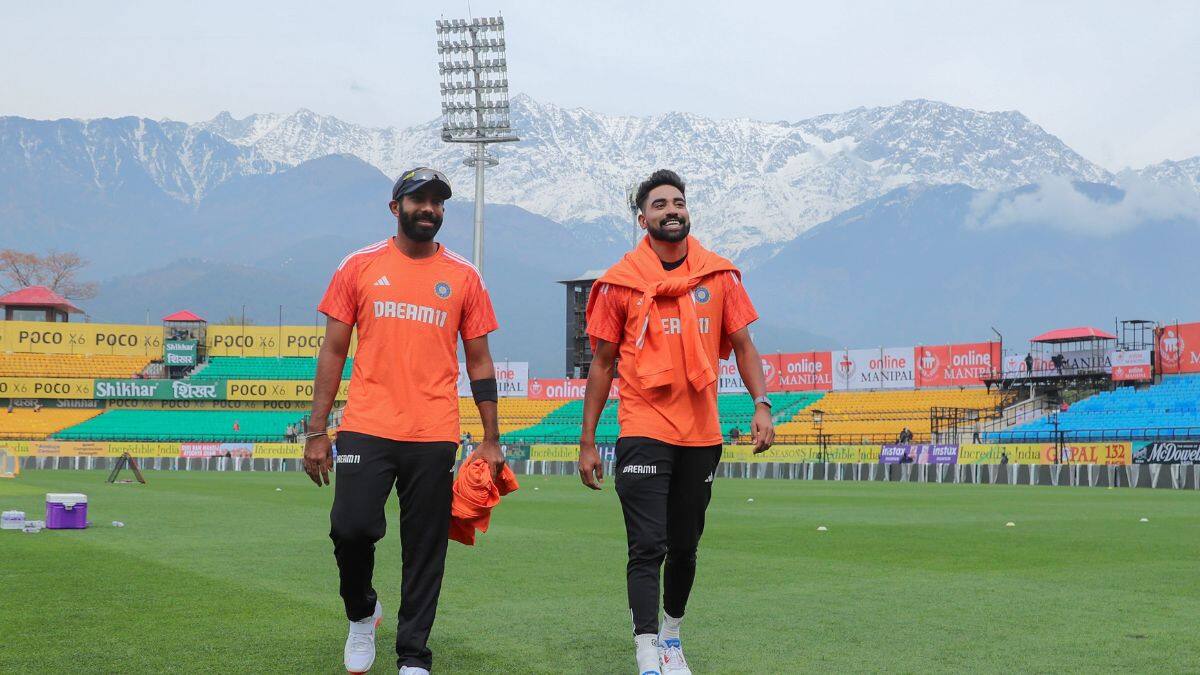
(411,299)
(669,309)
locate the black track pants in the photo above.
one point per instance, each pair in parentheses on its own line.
(664,491)
(422,473)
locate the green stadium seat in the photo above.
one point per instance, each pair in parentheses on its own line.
(184,425)
(263,368)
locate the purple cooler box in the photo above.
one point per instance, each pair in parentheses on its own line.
(66,511)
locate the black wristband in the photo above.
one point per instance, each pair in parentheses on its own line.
(484,390)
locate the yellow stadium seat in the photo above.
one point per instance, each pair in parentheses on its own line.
(25,423)
(71,365)
(879,416)
(515,413)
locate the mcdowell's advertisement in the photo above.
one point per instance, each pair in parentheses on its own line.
(1167,452)
(171,390)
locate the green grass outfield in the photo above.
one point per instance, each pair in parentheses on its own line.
(222,573)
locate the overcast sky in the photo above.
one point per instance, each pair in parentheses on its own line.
(1117,81)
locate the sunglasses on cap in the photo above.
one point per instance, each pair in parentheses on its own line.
(413,180)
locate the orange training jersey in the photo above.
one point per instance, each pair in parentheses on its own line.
(409,314)
(676,414)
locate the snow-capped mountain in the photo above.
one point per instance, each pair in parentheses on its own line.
(1184,173)
(114,155)
(754,185)
(751,182)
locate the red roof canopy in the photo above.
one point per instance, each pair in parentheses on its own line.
(38,296)
(182,316)
(1074,335)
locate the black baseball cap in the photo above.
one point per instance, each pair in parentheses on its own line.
(415,179)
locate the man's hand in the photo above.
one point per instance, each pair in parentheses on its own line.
(489,451)
(318,459)
(762,428)
(591,469)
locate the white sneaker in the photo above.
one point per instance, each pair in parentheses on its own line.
(647,654)
(360,643)
(671,653)
(413,670)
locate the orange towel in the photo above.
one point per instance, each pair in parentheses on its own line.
(475,494)
(642,271)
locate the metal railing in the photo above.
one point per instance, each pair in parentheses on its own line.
(1093,435)
(743,439)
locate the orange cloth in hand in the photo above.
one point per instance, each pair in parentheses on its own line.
(642,271)
(474,496)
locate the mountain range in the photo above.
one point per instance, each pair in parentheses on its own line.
(915,222)
(753,183)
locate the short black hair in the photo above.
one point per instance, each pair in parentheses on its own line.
(658,179)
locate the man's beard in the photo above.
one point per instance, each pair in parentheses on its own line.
(656,231)
(408,225)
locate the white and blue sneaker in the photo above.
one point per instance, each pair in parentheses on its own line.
(413,670)
(359,655)
(647,654)
(670,652)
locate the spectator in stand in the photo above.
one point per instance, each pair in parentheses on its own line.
(1058,360)
(236,426)
(975,435)
(735,434)
(1003,458)
(290,434)
(1029,364)
(10,407)
(37,406)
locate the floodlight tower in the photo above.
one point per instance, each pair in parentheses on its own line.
(474,74)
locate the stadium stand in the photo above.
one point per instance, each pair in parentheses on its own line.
(515,413)
(183,425)
(565,422)
(263,368)
(1170,409)
(26,424)
(879,416)
(71,365)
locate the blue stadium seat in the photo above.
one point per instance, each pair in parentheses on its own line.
(1170,409)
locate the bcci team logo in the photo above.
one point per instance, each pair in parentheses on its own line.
(442,289)
(535,388)
(1170,346)
(701,295)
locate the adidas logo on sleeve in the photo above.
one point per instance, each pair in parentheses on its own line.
(383,281)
